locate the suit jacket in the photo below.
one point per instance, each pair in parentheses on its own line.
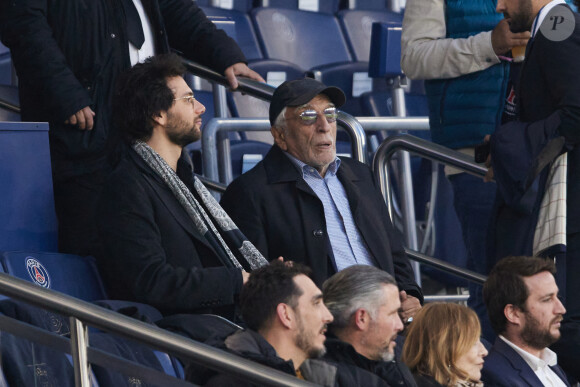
(68,55)
(278,212)
(548,102)
(153,252)
(505,367)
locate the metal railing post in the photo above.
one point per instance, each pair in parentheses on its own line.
(79,342)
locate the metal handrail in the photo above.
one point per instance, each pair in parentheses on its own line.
(145,333)
(421,148)
(209,140)
(9,106)
(445,266)
(436,153)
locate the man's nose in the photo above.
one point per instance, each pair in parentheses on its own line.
(500,6)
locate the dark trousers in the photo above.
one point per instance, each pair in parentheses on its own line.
(473,202)
(75,201)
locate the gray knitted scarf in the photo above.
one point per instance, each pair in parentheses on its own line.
(206,219)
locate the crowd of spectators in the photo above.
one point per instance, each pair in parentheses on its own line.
(316,274)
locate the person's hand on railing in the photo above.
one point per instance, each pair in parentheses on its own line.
(242,70)
(409,306)
(83,119)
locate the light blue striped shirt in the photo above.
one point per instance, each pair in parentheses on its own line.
(348,246)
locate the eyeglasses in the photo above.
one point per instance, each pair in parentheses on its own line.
(309,117)
(188,98)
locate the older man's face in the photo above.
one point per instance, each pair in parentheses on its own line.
(310,133)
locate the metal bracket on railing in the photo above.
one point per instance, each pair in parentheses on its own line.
(79,341)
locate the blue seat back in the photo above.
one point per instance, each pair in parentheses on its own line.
(244,32)
(322,6)
(239,5)
(357,28)
(9,94)
(352,78)
(70,274)
(369,4)
(308,39)
(274,72)
(5,66)
(26,198)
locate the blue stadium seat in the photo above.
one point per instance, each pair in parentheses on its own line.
(357,26)
(239,5)
(66,273)
(28,219)
(5,66)
(368,4)
(274,72)
(245,35)
(352,78)
(308,39)
(9,94)
(246,154)
(380,103)
(322,6)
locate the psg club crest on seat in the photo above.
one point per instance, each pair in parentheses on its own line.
(37,272)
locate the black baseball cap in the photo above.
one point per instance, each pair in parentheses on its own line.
(301,91)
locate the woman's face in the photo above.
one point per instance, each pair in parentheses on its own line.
(471,362)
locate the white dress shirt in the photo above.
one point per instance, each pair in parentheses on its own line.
(540,365)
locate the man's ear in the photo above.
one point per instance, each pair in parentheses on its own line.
(513,314)
(362,319)
(160,118)
(285,315)
(279,138)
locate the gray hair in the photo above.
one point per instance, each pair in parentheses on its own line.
(359,286)
(281,119)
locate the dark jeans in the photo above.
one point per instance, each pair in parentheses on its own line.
(75,202)
(473,201)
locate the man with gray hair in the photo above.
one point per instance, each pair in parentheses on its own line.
(365,304)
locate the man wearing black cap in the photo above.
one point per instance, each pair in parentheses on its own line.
(304,203)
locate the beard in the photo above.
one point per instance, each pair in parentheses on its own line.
(181,132)
(305,341)
(523,19)
(536,336)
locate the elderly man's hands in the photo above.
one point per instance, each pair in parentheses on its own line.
(242,70)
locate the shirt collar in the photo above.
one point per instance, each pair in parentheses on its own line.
(547,357)
(307,169)
(542,14)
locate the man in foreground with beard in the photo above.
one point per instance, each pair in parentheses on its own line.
(364,302)
(287,321)
(521,296)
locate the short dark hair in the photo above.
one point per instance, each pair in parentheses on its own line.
(141,93)
(267,287)
(505,285)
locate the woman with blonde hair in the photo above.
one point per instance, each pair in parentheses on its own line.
(442,347)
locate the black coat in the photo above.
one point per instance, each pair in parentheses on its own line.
(68,54)
(278,212)
(393,373)
(251,345)
(153,251)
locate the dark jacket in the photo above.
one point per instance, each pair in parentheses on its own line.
(425,380)
(251,345)
(393,373)
(68,54)
(505,367)
(548,100)
(278,212)
(153,251)
(464,109)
